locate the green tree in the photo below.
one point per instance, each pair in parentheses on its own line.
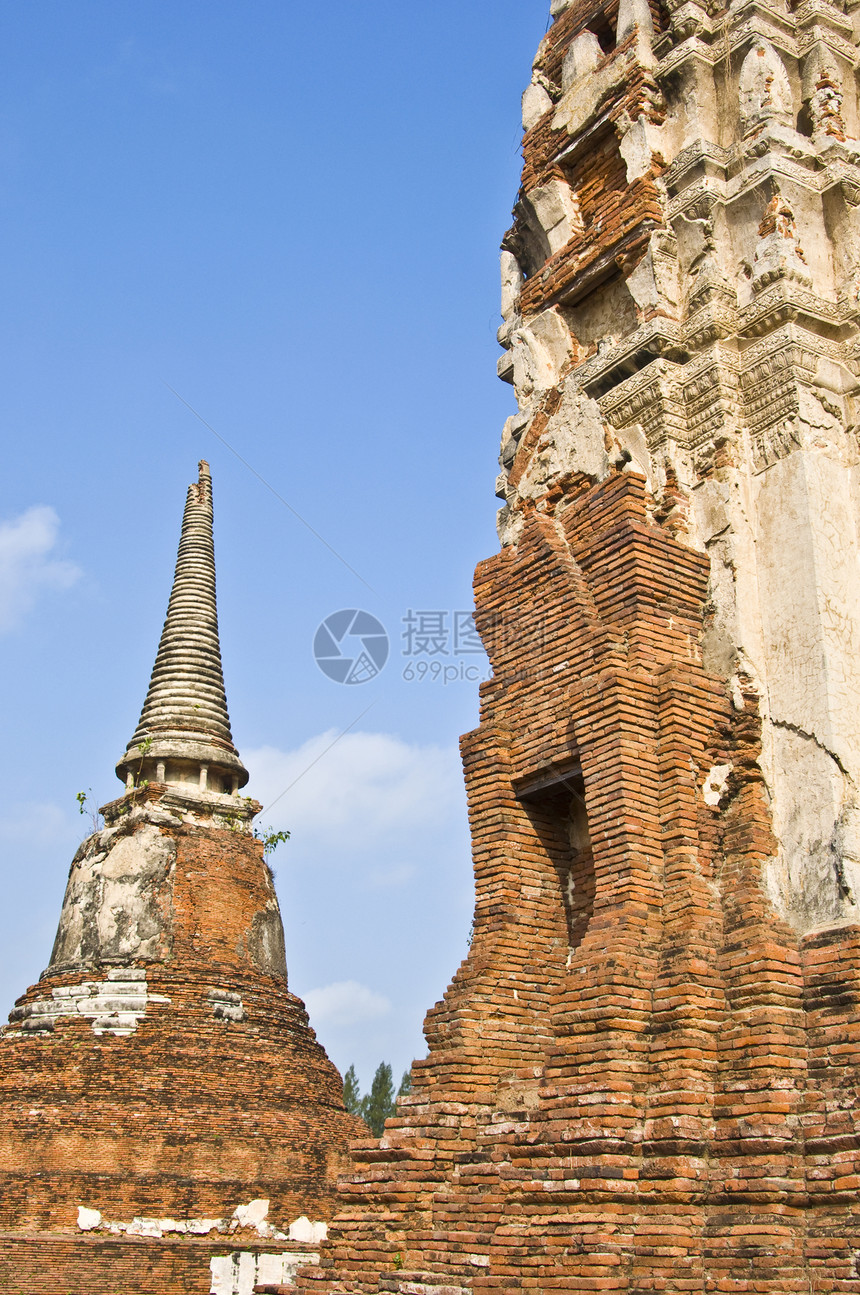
(351,1092)
(405,1084)
(379,1102)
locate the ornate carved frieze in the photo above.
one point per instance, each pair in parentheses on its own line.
(653,399)
(674,758)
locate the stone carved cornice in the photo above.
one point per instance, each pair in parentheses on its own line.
(711,43)
(658,337)
(692,402)
(809,346)
(755,163)
(701,153)
(784,297)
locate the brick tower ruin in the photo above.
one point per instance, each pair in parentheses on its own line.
(644,1077)
(168,1122)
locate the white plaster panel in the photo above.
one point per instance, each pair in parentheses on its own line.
(116,903)
(574,440)
(242,1271)
(536,102)
(809,580)
(113,1006)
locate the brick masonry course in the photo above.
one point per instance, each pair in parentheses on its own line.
(644,1075)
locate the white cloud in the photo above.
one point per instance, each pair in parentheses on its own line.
(365,789)
(375,884)
(26,567)
(345,1003)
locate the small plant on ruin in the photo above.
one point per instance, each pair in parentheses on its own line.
(270,838)
(144,748)
(84,807)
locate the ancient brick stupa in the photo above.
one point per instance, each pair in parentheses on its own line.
(645,1075)
(168,1122)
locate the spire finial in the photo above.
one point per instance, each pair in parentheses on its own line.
(183,736)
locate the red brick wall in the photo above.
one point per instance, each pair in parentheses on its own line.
(669,1102)
(187,1117)
(640,1079)
(41,1264)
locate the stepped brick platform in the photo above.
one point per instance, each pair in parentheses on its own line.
(644,1077)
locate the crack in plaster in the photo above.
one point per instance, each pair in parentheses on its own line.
(811,737)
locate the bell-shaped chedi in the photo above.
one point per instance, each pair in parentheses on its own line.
(168,1121)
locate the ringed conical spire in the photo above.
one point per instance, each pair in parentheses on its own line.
(183,736)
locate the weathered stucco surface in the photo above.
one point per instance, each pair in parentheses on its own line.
(644,1076)
(118,902)
(735,370)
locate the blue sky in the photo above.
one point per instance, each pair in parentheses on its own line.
(289,214)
